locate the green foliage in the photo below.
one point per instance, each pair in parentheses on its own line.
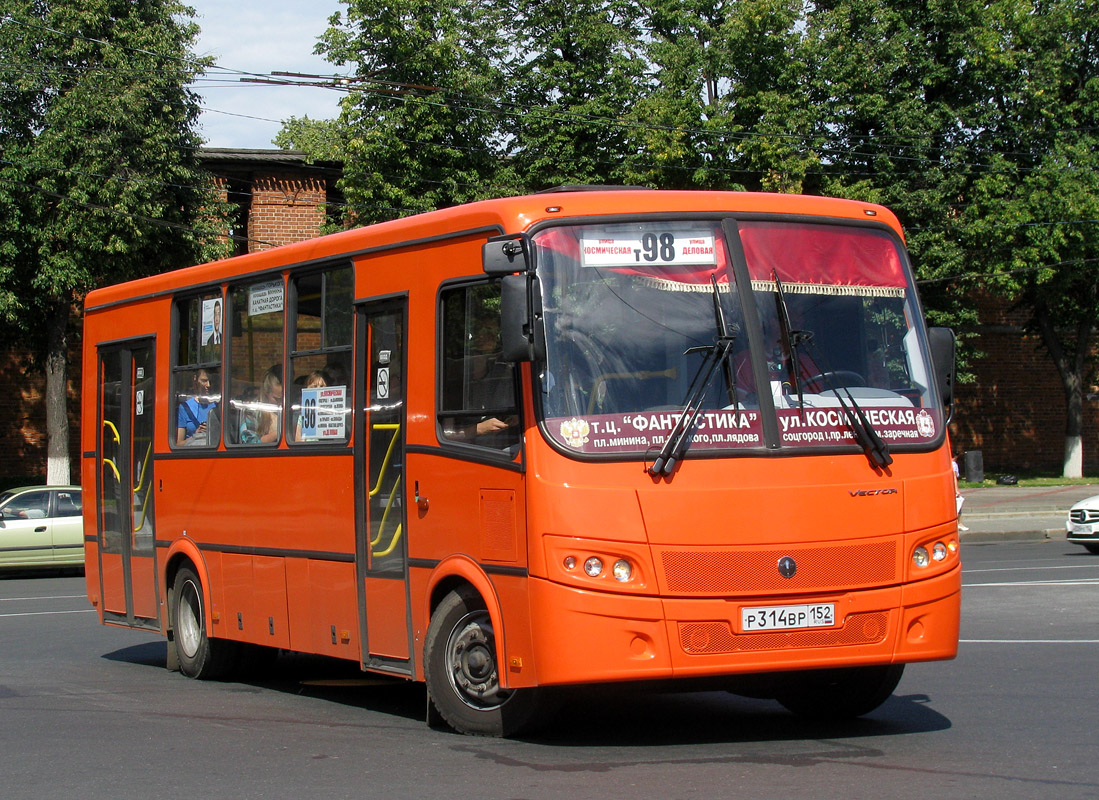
(414,134)
(99,177)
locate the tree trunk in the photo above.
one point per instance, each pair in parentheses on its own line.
(1071,366)
(58,470)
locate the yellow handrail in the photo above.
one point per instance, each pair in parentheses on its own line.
(396,428)
(117,438)
(393,493)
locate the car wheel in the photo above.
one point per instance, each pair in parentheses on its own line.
(462,672)
(1092,548)
(199,656)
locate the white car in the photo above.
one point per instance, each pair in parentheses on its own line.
(41,526)
(1083,524)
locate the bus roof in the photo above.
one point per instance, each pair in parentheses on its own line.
(490,217)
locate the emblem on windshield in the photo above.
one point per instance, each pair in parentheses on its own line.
(787,567)
(575,432)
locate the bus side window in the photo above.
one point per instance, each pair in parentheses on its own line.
(255,362)
(196,411)
(320,357)
(478,403)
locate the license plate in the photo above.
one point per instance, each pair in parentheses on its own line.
(774,618)
(1086,530)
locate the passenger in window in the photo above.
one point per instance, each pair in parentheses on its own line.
(193,418)
(493,385)
(262,422)
(490,388)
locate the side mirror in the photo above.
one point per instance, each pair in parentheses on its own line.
(504,256)
(522,335)
(942,342)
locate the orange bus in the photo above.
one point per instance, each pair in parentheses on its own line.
(577,437)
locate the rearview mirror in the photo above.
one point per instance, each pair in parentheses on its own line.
(504,256)
(942,342)
(522,336)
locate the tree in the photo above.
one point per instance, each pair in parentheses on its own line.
(727,108)
(575,73)
(99,177)
(415,132)
(1034,216)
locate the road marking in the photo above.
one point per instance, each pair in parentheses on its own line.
(46,613)
(1028,641)
(1021,569)
(49,597)
(1068,582)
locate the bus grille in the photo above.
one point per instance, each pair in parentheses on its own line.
(755,571)
(714,638)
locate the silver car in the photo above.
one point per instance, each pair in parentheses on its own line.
(1083,524)
(41,526)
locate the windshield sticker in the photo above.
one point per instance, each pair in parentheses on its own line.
(817,426)
(638,432)
(657,248)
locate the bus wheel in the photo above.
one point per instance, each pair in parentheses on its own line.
(463,678)
(199,655)
(839,693)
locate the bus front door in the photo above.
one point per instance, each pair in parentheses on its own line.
(124,497)
(381,530)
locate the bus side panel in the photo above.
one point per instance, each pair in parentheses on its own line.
(269,602)
(321,603)
(234,601)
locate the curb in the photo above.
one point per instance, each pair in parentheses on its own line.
(984,537)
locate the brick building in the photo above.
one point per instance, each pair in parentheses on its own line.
(1014,413)
(278,197)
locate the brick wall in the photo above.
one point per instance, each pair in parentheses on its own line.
(1015,411)
(23,418)
(285,208)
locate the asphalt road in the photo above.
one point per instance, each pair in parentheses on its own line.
(90,712)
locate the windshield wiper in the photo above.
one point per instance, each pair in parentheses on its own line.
(792,340)
(868,439)
(717,355)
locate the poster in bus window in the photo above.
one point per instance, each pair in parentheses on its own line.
(211,321)
(265,298)
(322,413)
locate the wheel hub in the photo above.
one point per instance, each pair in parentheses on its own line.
(471,656)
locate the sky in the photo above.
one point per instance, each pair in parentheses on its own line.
(261,36)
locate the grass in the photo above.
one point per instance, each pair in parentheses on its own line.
(1032,480)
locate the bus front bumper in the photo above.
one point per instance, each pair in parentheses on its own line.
(591,637)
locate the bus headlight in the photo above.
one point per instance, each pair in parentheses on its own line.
(938,552)
(623,570)
(920,557)
(593,567)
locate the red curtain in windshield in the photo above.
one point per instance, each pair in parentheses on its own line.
(832,255)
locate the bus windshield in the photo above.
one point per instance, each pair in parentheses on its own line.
(633,310)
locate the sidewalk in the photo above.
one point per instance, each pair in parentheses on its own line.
(995,513)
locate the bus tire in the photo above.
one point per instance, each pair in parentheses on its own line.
(843,693)
(462,672)
(198,655)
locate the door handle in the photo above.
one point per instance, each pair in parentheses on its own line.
(421,502)
(40,530)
